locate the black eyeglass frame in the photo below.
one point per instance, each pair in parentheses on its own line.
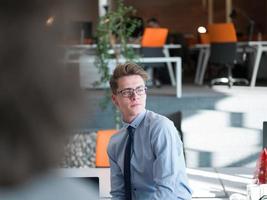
(132,90)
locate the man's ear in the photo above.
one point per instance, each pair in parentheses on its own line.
(114,99)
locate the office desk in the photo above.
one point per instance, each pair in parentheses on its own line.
(258,47)
(82,49)
(176,60)
(215,183)
(219,182)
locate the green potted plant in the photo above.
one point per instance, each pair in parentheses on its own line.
(113,32)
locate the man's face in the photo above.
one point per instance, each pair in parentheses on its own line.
(130,102)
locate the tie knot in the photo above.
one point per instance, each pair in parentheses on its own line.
(130,130)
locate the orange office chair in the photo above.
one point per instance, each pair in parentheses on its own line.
(102,140)
(154,37)
(223,51)
(222,33)
(152,44)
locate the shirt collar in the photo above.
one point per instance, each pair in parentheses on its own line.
(137,120)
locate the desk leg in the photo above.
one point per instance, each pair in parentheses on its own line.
(199,64)
(169,65)
(179,78)
(204,67)
(256,66)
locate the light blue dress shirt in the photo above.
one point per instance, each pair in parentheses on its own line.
(157,163)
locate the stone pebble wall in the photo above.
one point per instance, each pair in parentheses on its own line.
(80,151)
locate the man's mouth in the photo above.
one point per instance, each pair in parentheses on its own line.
(134,105)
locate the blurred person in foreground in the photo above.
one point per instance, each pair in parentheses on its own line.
(146,156)
(38,106)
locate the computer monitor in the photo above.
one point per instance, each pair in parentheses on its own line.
(98,177)
(92,182)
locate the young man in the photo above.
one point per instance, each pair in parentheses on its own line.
(155,168)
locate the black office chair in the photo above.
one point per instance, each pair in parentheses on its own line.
(225,54)
(152,46)
(223,51)
(176,118)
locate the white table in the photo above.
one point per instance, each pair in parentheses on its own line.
(81,49)
(207,183)
(204,53)
(176,60)
(235,179)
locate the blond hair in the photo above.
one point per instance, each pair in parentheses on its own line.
(126,69)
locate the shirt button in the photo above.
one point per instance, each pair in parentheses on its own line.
(134,189)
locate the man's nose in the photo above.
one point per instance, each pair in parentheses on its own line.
(134,94)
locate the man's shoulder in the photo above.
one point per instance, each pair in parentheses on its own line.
(153,115)
(153,118)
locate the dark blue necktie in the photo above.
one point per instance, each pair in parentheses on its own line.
(127,164)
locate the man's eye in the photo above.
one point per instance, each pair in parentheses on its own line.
(127,92)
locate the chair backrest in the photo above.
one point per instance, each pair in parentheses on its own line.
(102,140)
(154,37)
(223,48)
(222,32)
(152,44)
(176,117)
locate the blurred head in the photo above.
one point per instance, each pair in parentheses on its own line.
(153,22)
(38,95)
(128,90)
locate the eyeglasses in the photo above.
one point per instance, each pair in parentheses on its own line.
(129,92)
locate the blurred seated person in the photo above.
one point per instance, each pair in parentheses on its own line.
(39,103)
(153,23)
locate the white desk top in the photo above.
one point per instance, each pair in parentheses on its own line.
(235,180)
(205,183)
(92,46)
(250,43)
